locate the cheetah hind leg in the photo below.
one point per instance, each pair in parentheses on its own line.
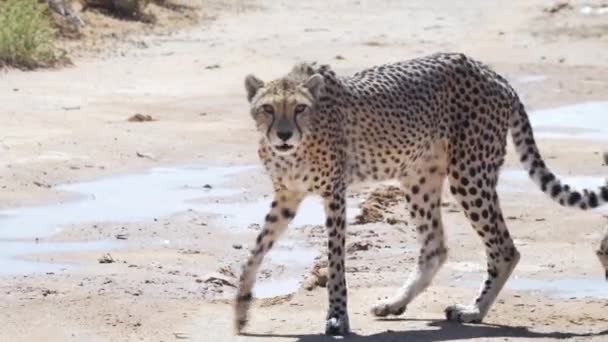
(423,194)
(486,218)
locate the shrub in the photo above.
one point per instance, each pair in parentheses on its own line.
(26,34)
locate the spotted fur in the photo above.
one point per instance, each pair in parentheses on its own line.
(420,122)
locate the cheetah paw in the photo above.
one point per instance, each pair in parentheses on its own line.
(385,308)
(239,324)
(241,308)
(463,314)
(337,326)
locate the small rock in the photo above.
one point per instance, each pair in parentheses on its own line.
(339,57)
(217,279)
(121,236)
(47,292)
(106,259)
(181,336)
(227,271)
(318,277)
(558,6)
(207,186)
(135,293)
(144,155)
(212,66)
(71,108)
(358,246)
(237,246)
(394,221)
(140,118)
(254,226)
(42,185)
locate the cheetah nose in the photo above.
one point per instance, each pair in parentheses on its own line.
(284,135)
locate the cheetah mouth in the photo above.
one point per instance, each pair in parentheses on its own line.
(283,147)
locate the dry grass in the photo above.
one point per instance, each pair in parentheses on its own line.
(27,39)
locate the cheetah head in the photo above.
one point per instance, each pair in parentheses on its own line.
(282,108)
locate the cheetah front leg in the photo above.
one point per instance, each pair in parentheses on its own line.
(283,210)
(337,315)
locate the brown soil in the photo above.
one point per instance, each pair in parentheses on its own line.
(103,30)
(379,204)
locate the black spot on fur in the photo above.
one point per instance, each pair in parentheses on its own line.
(286,213)
(593,202)
(556,189)
(604,193)
(245,298)
(574,198)
(546,179)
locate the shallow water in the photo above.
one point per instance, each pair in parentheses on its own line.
(563,288)
(144,196)
(529,79)
(310,212)
(587,120)
(594,287)
(519,181)
(130,198)
(297,260)
(11,250)
(514,181)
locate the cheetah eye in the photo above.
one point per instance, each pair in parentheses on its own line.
(300,108)
(268,109)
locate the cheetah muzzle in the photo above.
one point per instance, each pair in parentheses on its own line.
(419,122)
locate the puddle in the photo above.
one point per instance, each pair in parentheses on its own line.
(562,288)
(594,10)
(463,267)
(530,79)
(297,262)
(11,250)
(310,212)
(522,179)
(144,196)
(131,198)
(588,120)
(514,181)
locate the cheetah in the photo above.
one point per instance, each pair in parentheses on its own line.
(420,121)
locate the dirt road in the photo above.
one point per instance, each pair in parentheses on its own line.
(174,240)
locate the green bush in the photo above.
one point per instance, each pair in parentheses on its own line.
(26,34)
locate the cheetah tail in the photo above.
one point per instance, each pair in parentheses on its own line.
(523,139)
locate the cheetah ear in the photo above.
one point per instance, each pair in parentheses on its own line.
(252,85)
(314,84)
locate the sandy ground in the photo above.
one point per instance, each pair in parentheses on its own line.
(70,125)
